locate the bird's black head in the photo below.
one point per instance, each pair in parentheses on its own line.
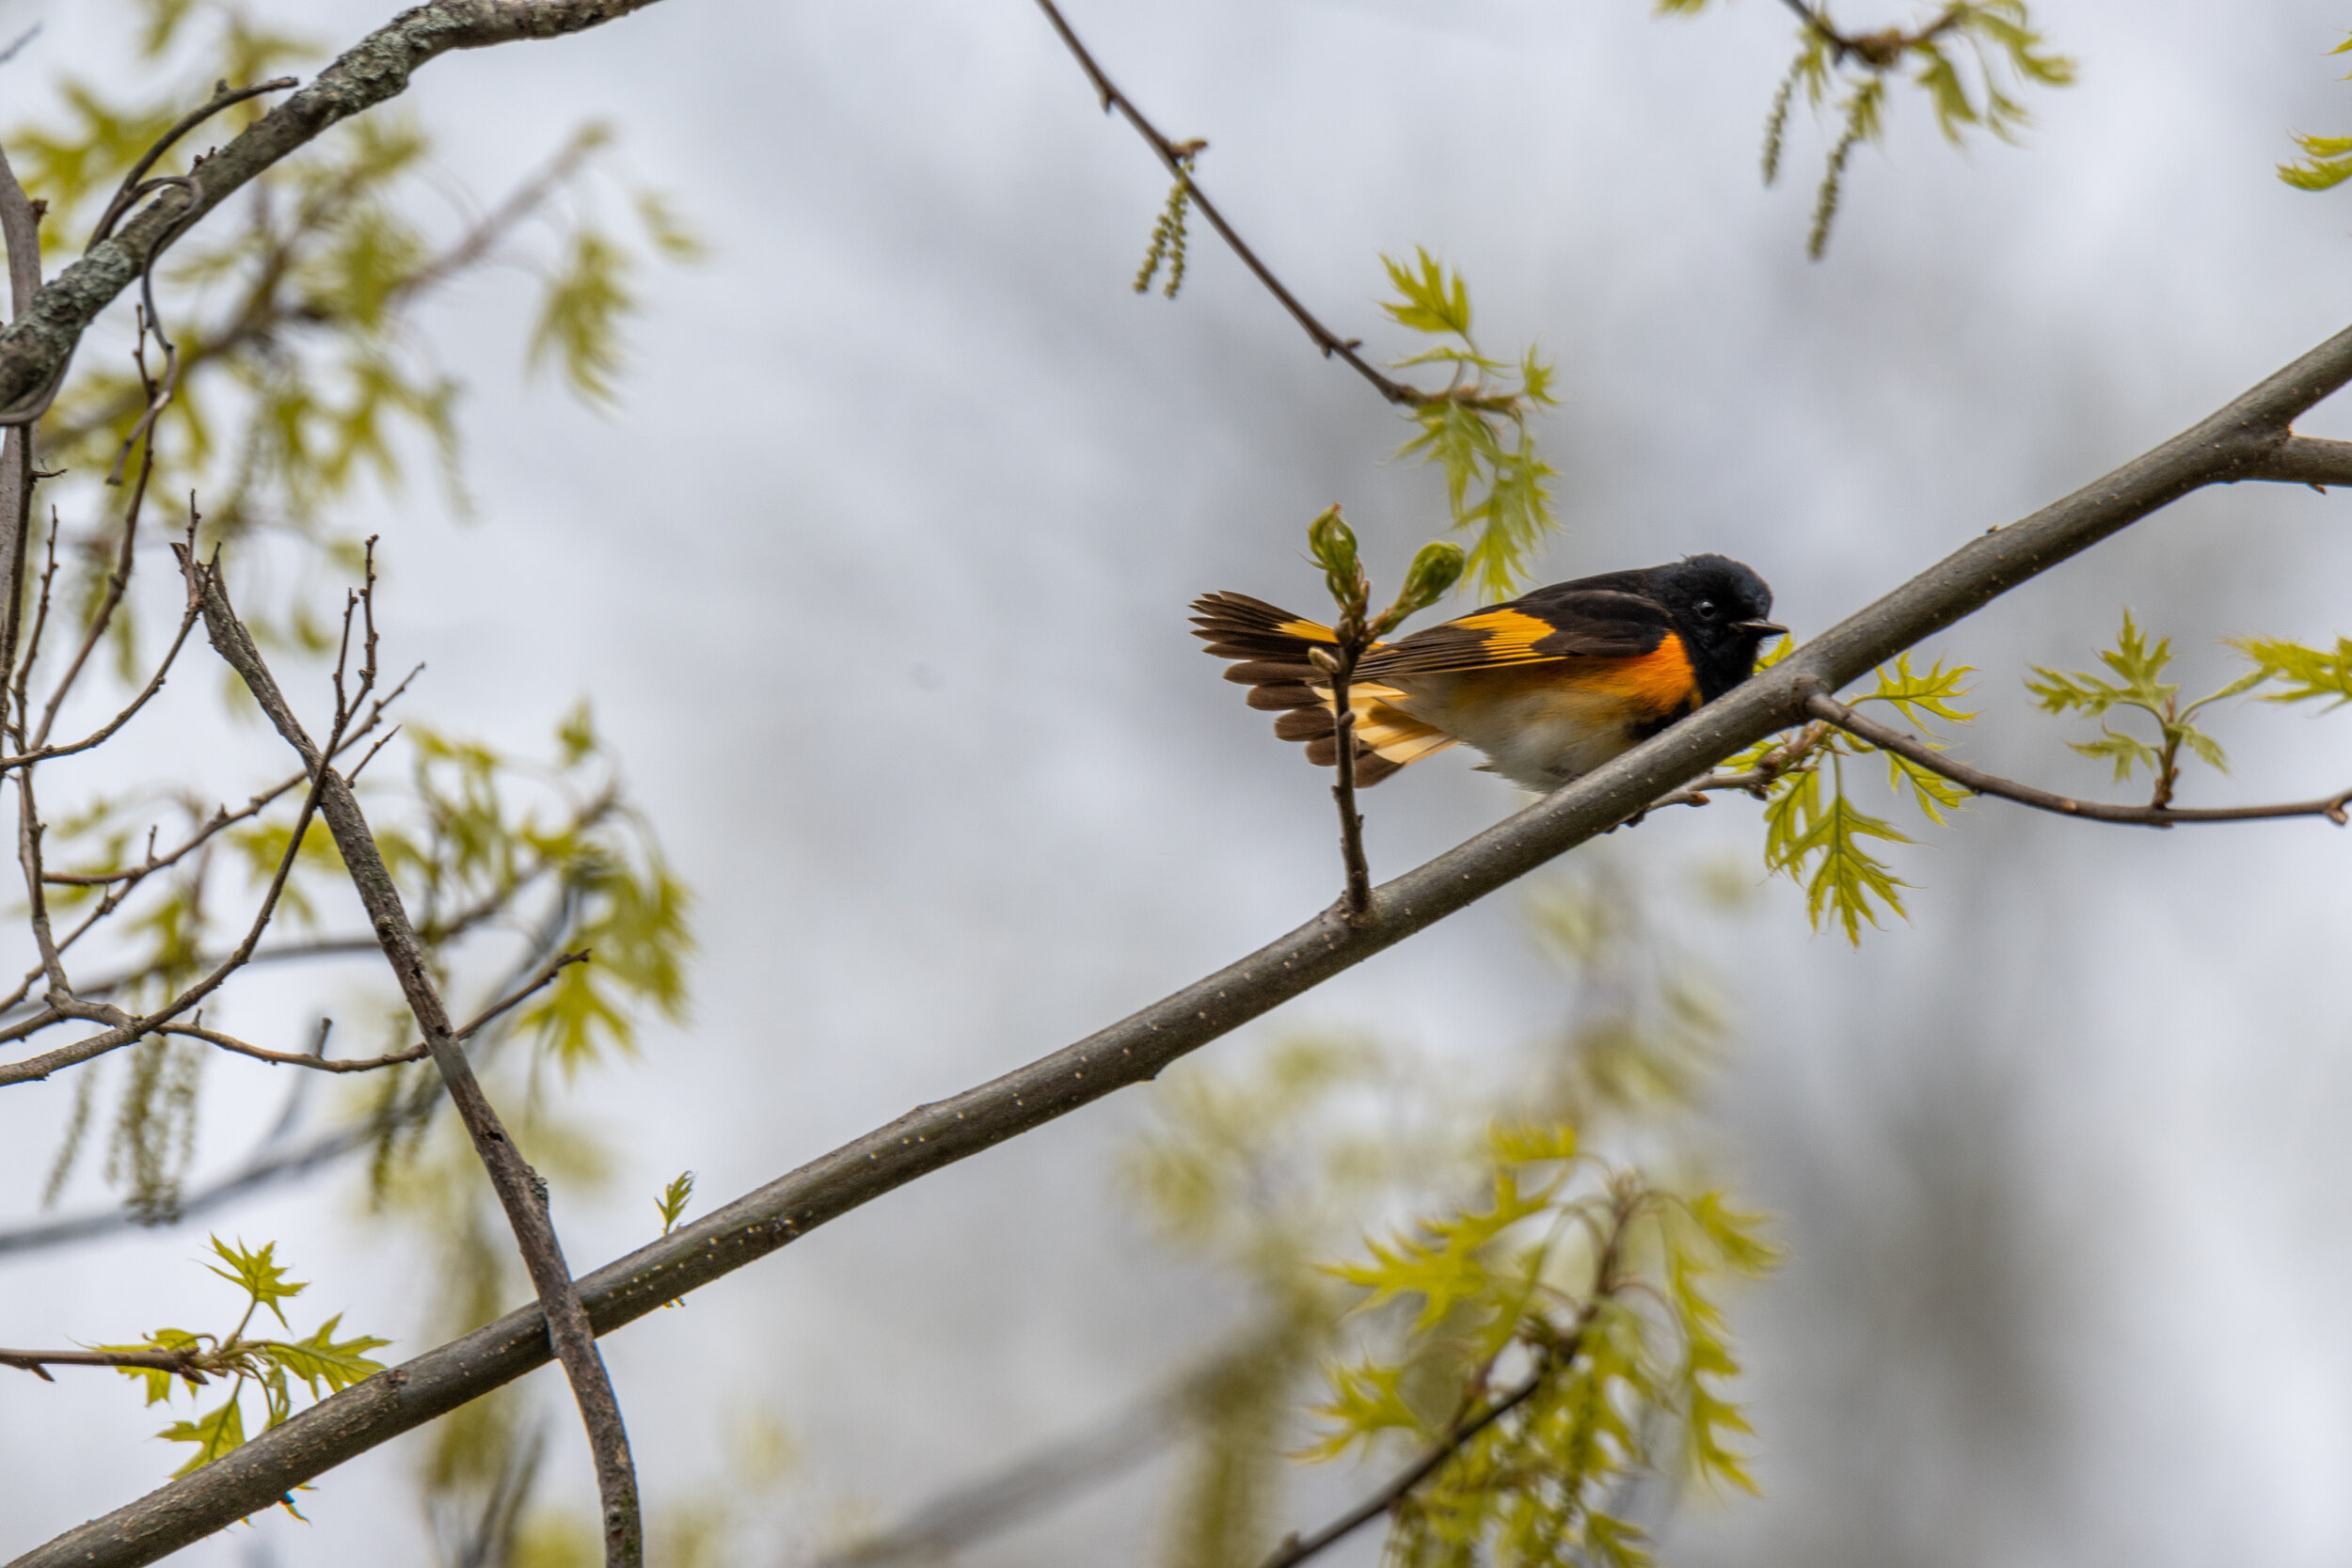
(1720,607)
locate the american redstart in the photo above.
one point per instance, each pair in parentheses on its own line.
(1548,686)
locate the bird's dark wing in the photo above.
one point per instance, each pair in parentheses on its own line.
(1563,622)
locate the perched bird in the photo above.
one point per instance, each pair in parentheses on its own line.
(1548,686)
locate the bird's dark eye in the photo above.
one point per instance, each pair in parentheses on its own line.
(1707,610)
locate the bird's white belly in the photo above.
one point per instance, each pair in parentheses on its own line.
(1539,736)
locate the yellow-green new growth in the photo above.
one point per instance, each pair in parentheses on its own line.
(1475,429)
(1848,72)
(2137,668)
(322,1363)
(1817,836)
(1562,1329)
(2327,160)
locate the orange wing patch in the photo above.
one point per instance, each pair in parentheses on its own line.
(1511,636)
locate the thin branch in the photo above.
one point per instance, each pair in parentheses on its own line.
(477,241)
(519,1190)
(20,229)
(1178,163)
(262,314)
(317,1061)
(180,1362)
(267,1166)
(122,1027)
(1297,1550)
(121,884)
(20,705)
(1356,893)
(106,731)
(1826,708)
(134,183)
(2229,444)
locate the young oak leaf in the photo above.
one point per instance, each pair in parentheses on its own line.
(1428,300)
(160,1382)
(258,1274)
(320,1359)
(214,1436)
(2305,672)
(1921,695)
(1445,1265)
(1366,1400)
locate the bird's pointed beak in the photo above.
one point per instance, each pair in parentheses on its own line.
(1762,628)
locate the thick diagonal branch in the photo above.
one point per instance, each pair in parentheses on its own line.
(2231,444)
(519,1190)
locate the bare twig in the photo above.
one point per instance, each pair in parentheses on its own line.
(519,1190)
(267,1164)
(130,190)
(317,1060)
(135,185)
(1178,161)
(1355,897)
(1909,747)
(20,227)
(121,884)
(179,1362)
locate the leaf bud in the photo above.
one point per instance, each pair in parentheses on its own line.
(1432,575)
(1333,546)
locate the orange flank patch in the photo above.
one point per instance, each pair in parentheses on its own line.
(1653,686)
(1658,683)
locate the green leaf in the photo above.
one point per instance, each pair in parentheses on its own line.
(1366,1400)
(1931,791)
(1428,299)
(213,1434)
(580,316)
(2137,666)
(2327,164)
(1445,1264)
(161,1385)
(258,1274)
(673,1199)
(1818,838)
(2305,672)
(1921,695)
(1532,1143)
(2126,751)
(321,1360)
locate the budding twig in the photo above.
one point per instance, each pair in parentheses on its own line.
(1832,711)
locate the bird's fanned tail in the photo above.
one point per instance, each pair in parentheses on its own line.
(1269,646)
